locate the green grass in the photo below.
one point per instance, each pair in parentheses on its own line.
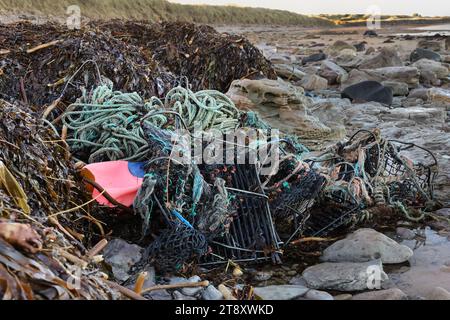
(156,10)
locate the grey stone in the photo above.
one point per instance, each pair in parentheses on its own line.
(290,72)
(188,291)
(433,45)
(343,276)
(177,295)
(366,245)
(158,295)
(438,293)
(419,115)
(318,295)
(211,293)
(298,280)
(337,47)
(281,292)
(405,233)
(121,256)
(389,294)
(332,72)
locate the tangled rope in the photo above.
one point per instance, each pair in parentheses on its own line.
(108,125)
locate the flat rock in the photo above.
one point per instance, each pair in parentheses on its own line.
(388,294)
(440,97)
(419,115)
(366,245)
(408,75)
(337,47)
(121,256)
(344,276)
(281,292)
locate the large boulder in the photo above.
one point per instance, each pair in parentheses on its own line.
(332,72)
(387,57)
(344,276)
(366,245)
(367,91)
(420,53)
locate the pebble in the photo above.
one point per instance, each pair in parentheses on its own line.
(318,295)
(177,295)
(282,292)
(263,275)
(389,294)
(187,291)
(211,293)
(405,233)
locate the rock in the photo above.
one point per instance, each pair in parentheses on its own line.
(318,295)
(177,295)
(211,293)
(281,292)
(398,88)
(420,53)
(367,91)
(389,294)
(440,97)
(370,33)
(314,83)
(342,297)
(332,72)
(263,275)
(361,46)
(387,57)
(314,58)
(408,75)
(420,93)
(290,72)
(121,256)
(370,50)
(336,48)
(419,115)
(187,291)
(405,233)
(272,93)
(330,112)
(432,45)
(437,68)
(348,59)
(343,276)
(429,78)
(366,245)
(438,293)
(447,43)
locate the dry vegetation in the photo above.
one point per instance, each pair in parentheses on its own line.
(156,10)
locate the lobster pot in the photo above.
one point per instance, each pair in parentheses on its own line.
(252,235)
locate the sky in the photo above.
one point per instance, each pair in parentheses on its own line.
(423,7)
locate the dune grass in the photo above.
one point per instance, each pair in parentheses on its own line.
(156,10)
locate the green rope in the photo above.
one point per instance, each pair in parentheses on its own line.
(107,124)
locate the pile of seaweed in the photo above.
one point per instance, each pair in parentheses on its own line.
(42,255)
(40,62)
(209,59)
